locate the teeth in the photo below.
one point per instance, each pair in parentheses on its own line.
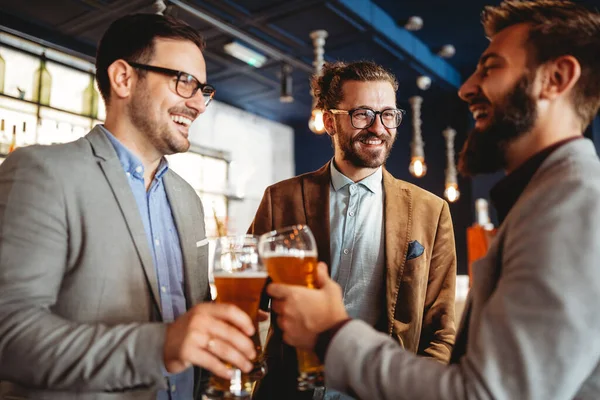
(479,113)
(181,120)
(373,141)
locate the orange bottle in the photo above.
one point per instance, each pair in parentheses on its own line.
(479,235)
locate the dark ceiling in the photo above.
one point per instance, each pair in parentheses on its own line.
(358,29)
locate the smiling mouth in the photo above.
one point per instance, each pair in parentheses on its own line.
(182,120)
(371,141)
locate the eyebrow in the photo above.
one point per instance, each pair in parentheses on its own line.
(487,56)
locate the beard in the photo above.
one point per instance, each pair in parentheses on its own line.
(485,150)
(161,134)
(363,158)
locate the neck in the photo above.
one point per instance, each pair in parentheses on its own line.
(136,142)
(541,136)
(352,171)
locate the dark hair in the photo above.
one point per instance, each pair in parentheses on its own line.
(327,87)
(557,28)
(132,37)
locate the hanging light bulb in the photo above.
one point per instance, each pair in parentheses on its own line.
(417,167)
(451,192)
(315,123)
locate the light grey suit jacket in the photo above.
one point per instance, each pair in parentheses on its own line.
(79,304)
(534,325)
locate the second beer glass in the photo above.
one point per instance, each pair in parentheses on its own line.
(290,255)
(239,278)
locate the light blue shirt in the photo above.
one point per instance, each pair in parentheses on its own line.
(163,240)
(357,240)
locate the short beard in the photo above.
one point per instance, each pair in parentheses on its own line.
(484,151)
(350,154)
(161,135)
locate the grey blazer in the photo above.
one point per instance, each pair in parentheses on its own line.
(534,325)
(80,315)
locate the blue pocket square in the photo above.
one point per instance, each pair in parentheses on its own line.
(415,249)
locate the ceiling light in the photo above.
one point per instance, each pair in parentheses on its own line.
(286,95)
(451,192)
(315,122)
(414,23)
(245,54)
(446,51)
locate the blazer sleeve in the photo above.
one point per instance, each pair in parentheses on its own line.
(534,337)
(439,330)
(38,348)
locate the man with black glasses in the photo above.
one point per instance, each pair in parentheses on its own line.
(390,244)
(103,251)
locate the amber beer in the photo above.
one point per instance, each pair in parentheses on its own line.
(242,289)
(296,270)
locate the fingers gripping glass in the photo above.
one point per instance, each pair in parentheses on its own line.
(187,85)
(363,118)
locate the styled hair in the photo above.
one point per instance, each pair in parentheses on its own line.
(557,28)
(131,38)
(327,86)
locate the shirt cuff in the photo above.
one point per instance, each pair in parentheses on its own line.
(325,338)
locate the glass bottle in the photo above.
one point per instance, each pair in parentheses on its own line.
(90,100)
(2,73)
(4,139)
(42,84)
(479,235)
(13,143)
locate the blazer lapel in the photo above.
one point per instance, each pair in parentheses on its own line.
(398,225)
(186,236)
(113,170)
(315,189)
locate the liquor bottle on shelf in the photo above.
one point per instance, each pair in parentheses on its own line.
(4,139)
(90,100)
(13,143)
(2,73)
(42,84)
(479,235)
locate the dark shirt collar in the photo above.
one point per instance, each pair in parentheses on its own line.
(505,193)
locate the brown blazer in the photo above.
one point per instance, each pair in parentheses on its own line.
(419,292)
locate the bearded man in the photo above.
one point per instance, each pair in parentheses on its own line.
(531,317)
(390,244)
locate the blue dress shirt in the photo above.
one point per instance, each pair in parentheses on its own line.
(163,240)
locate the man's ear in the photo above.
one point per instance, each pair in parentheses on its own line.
(121,77)
(329,123)
(559,76)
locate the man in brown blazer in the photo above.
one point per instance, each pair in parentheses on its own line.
(390,244)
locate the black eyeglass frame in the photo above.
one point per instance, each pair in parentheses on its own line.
(171,72)
(352,111)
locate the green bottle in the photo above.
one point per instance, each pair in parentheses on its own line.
(42,83)
(2,71)
(90,100)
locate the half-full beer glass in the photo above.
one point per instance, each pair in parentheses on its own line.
(239,278)
(290,255)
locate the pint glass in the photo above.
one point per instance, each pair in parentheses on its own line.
(239,277)
(290,255)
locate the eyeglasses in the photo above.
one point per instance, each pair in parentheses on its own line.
(363,118)
(187,85)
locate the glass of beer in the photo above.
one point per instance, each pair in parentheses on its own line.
(239,277)
(290,255)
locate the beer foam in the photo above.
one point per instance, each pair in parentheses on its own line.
(240,274)
(291,253)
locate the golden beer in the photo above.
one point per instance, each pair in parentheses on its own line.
(242,289)
(295,270)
